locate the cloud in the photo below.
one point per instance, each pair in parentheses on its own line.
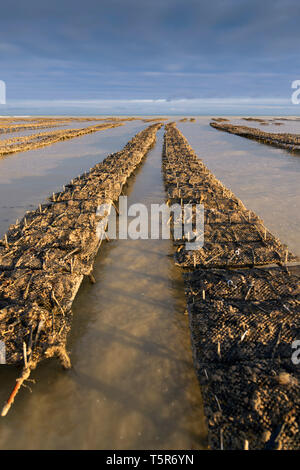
(163,49)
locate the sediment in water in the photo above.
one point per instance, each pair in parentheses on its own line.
(44,258)
(243,319)
(285,141)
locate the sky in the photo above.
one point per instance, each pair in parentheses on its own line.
(149,56)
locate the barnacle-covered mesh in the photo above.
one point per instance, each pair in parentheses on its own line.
(247,323)
(255,401)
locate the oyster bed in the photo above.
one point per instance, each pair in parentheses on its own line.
(285,141)
(243,318)
(44,257)
(42,139)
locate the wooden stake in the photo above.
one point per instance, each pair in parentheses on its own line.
(25,354)
(219,349)
(27,287)
(221,440)
(25,375)
(117,211)
(218,403)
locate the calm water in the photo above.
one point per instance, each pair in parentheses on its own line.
(132,384)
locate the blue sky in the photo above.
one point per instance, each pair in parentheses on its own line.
(150,56)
